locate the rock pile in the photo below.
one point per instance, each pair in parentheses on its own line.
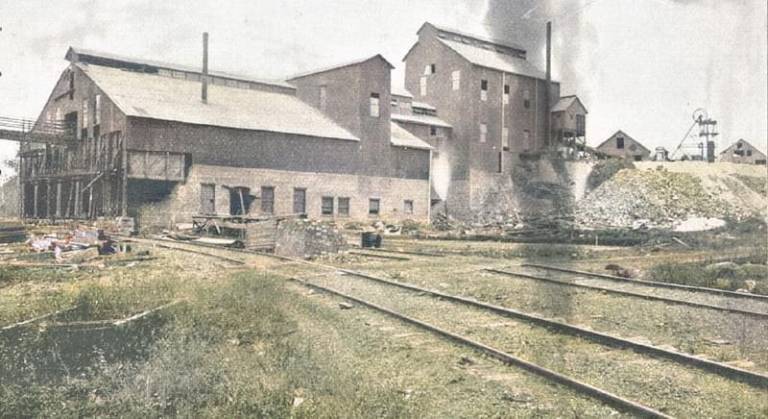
(308,238)
(652,198)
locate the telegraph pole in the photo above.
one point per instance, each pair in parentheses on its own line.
(547,99)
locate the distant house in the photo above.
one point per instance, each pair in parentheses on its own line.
(569,120)
(622,145)
(742,152)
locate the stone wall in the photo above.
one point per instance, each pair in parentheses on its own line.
(308,238)
(183,201)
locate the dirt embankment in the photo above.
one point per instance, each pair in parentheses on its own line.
(664,195)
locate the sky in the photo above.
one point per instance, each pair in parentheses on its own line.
(642,66)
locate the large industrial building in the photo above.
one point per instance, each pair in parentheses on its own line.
(163,143)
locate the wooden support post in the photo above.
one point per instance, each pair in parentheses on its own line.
(48,214)
(34,200)
(547,99)
(124,190)
(58,199)
(78,200)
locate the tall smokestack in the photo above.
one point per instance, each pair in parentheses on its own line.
(547,104)
(205,68)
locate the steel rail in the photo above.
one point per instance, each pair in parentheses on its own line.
(631,294)
(750,377)
(594,392)
(650,283)
(372,255)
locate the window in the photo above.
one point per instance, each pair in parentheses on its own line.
(373,206)
(375,105)
(432,131)
(456,79)
(581,125)
(638,158)
(423,86)
(619,142)
(526,140)
(239,200)
(483,132)
(97,110)
(323,97)
(483,89)
(499,168)
(527,99)
(408,206)
(344,207)
(506,94)
(299,201)
(394,103)
(268,199)
(505,139)
(749,153)
(85,113)
(327,205)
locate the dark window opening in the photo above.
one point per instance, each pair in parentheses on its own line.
(299,201)
(581,125)
(506,89)
(500,162)
(374,206)
(71,86)
(638,158)
(240,199)
(619,142)
(70,121)
(432,130)
(344,206)
(527,103)
(749,153)
(484,85)
(327,205)
(432,68)
(267,199)
(408,206)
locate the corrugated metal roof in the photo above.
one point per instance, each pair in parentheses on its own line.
(421,120)
(337,66)
(478,37)
(171,66)
(158,97)
(495,60)
(402,138)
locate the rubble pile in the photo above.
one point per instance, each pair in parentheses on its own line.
(652,198)
(308,238)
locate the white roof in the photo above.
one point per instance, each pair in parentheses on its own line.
(401,91)
(341,65)
(565,102)
(170,66)
(421,120)
(165,98)
(492,59)
(402,138)
(423,105)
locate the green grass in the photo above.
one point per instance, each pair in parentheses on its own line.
(726,276)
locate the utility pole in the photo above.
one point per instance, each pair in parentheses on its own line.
(547,104)
(205,68)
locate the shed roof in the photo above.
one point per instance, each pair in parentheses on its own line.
(401,91)
(745,142)
(566,102)
(158,97)
(489,58)
(624,134)
(402,138)
(88,55)
(421,120)
(474,36)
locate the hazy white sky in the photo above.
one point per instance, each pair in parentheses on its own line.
(639,65)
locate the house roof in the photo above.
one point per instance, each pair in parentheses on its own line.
(421,120)
(88,55)
(741,140)
(423,105)
(482,38)
(565,102)
(149,95)
(338,66)
(402,138)
(489,58)
(624,134)
(401,91)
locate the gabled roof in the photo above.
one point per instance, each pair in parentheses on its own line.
(75,54)
(338,66)
(565,102)
(489,58)
(158,97)
(402,138)
(482,38)
(421,120)
(741,140)
(623,134)
(400,91)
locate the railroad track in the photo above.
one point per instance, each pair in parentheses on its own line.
(623,293)
(454,316)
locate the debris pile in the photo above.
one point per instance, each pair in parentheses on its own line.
(308,238)
(652,198)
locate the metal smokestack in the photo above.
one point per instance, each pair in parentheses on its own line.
(547,97)
(205,68)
